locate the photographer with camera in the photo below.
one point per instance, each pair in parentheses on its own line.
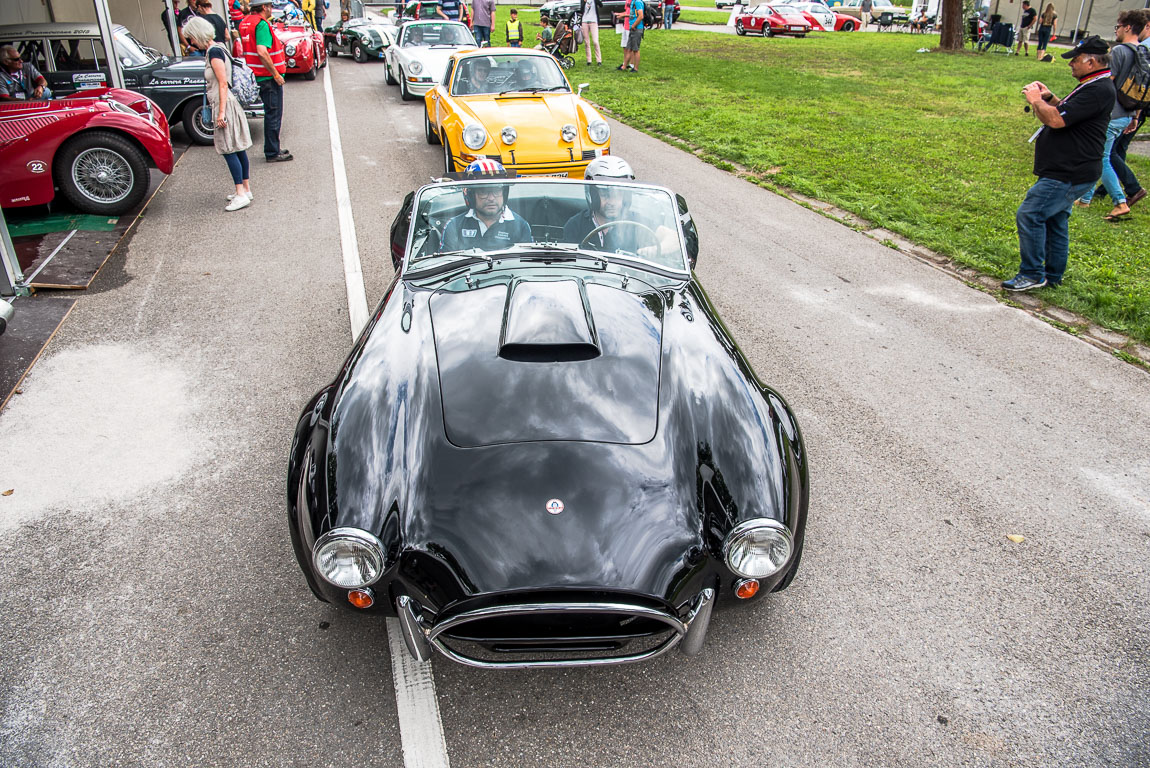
(1067,160)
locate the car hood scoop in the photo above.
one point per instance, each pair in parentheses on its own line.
(548,360)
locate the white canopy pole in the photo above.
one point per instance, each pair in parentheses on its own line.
(104,19)
(1077,24)
(173,32)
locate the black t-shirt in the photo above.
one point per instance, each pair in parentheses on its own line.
(1073,154)
(1027,18)
(214,19)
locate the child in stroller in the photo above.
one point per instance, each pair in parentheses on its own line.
(562,43)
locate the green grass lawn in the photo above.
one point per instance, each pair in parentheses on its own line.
(705,17)
(932,146)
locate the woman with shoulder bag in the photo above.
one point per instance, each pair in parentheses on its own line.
(231,136)
(589,22)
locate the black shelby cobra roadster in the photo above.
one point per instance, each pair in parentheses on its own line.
(550,452)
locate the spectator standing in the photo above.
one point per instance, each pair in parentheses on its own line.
(1025,24)
(1122,60)
(634,35)
(1047,31)
(231,135)
(1067,160)
(483,14)
(235,13)
(264,53)
(589,17)
(864,13)
(626,30)
(514,30)
(668,13)
(19,79)
(449,9)
(1135,21)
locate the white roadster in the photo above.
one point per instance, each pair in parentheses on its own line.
(419,60)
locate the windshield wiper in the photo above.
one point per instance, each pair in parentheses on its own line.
(535,90)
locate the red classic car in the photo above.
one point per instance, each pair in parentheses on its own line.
(303,45)
(825,19)
(95,147)
(771,20)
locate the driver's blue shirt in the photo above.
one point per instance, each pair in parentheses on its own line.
(467,231)
(450,8)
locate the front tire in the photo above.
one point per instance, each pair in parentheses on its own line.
(448,161)
(429,131)
(739,28)
(404,94)
(358,54)
(101,173)
(331,51)
(311,73)
(848,26)
(390,78)
(198,131)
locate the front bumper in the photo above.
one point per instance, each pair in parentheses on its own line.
(551,633)
(571,168)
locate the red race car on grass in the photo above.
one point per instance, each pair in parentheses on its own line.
(771,20)
(95,148)
(824,19)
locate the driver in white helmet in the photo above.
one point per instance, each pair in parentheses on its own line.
(607,205)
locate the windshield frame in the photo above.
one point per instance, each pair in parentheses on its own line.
(461,62)
(122,37)
(535,249)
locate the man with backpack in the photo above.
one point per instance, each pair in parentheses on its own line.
(1130,71)
(1130,24)
(634,30)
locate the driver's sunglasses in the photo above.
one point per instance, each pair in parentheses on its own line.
(488,193)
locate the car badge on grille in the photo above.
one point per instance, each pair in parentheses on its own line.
(555,506)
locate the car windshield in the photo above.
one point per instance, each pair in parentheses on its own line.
(436,34)
(508,73)
(130,51)
(521,215)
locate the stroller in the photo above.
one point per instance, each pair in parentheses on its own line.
(563,44)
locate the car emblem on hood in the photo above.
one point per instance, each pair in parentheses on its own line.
(555,506)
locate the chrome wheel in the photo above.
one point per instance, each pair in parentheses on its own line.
(102,175)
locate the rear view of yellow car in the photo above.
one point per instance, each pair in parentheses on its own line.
(513,105)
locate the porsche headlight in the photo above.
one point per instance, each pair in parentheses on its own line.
(758,548)
(508,135)
(289,49)
(474,137)
(599,131)
(567,132)
(350,558)
(415,68)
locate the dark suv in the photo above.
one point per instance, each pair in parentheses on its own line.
(72,58)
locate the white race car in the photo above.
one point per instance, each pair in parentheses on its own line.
(418,61)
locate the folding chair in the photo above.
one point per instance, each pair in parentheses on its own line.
(885,21)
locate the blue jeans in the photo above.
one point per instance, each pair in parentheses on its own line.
(668,16)
(1109,177)
(1044,229)
(238,165)
(482,35)
(272,96)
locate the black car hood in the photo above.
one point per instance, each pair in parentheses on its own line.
(543,360)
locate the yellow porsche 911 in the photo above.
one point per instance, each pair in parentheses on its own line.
(513,105)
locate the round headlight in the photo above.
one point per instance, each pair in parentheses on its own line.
(758,548)
(599,131)
(474,136)
(350,558)
(508,135)
(291,62)
(415,67)
(289,49)
(567,132)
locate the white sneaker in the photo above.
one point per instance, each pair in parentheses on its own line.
(238,201)
(251,196)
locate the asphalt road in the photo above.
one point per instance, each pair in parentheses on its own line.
(155,614)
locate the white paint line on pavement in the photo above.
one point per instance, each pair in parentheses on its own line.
(51,256)
(352,272)
(420,725)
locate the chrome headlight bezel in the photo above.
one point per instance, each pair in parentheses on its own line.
(289,49)
(762,533)
(415,68)
(598,131)
(474,136)
(568,132)
(509,134)
(357,543)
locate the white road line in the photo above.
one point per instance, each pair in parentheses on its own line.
(352,272)
(420,725)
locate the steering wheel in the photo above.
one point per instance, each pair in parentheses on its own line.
(628,223)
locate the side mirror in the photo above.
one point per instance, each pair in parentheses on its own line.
(690,233)
(582,87)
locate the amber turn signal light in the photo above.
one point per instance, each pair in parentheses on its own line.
(361,598)
(747,588)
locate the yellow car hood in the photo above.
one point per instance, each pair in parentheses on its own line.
(536,118)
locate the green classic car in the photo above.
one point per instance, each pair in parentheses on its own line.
(364,39)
